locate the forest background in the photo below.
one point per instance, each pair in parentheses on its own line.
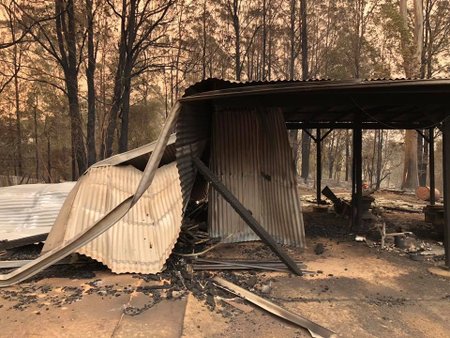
(81,80)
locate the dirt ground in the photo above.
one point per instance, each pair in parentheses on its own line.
(356,290)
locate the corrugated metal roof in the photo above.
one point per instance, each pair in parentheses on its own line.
(393,103)
(223,89)
(30,209)
(213,84)
(251,155)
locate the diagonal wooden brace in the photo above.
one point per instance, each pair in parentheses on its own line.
(246,215)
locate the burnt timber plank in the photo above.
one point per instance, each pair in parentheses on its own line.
(6,245)
(246,216)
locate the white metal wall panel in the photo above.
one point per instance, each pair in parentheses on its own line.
(30,209)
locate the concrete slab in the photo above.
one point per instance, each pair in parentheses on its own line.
(164,319)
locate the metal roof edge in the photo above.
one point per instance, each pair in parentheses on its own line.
(218,88)
(130,154)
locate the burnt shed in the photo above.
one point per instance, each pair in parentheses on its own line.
(321,105)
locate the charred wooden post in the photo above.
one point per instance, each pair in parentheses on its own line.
(431,166)
(246,215)
(340,206)
(446,174)
(357,178)
(318,166)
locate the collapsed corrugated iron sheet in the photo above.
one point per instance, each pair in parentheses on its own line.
(102,224)
(30,209)
(251,155)
(144,238)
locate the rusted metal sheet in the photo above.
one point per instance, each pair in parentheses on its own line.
(144,238)
(31,209)
(250,154)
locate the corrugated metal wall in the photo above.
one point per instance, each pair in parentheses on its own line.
(144,238)
(193,132)
(250,153)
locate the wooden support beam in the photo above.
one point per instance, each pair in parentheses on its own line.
(326,134)
(357,179)
(246,215)
(431,166)
(318,166)
(364,125)
(446,174)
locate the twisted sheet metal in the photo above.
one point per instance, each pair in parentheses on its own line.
(250,153)
(144,238)
(31,209)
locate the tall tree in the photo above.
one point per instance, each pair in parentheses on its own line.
(306,139)
(90,77)
(17,57)
(140,29)
(411,46)
(60,41)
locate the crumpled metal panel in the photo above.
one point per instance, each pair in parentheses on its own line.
(144,238)
(250,154)
(30,209)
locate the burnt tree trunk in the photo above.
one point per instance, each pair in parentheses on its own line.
(124,116)
(36,145)
(107,145)
(410,177)
(90,73)
(347,155)
(304,26)
(380,141)
(204,40)
(422,159)
(237,39)
(306,150)
(66,36)
(306,139)
(292,50)
(18,123)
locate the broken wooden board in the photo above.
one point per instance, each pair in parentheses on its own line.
(208,264)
